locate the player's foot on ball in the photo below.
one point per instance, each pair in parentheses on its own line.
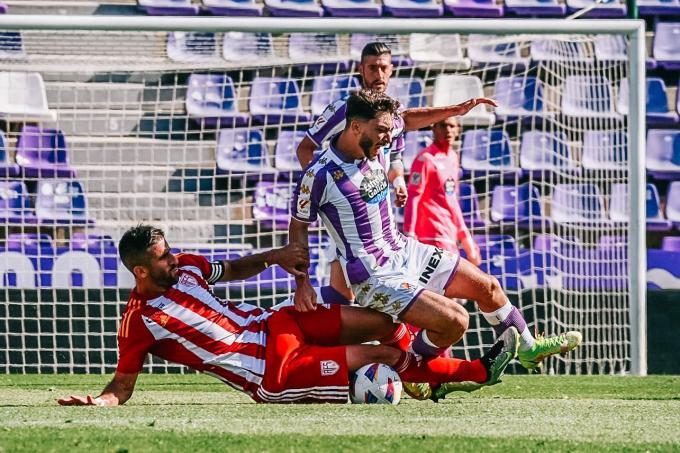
(495,360)
(417,390)
(545,347)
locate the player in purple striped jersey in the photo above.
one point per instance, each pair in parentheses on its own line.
(412,282)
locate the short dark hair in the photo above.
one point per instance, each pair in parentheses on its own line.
(375,49)
(134,245)
(366,104)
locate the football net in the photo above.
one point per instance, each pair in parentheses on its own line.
(196,131)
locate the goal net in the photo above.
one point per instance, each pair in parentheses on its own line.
(196,131)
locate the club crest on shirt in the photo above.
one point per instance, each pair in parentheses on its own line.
(329,367)
(450,186)
(163,319)
(187,280)
(373,187)
(415,179)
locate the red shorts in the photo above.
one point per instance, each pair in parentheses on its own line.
(304,362)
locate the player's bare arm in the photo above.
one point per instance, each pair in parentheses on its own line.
(292,258)
(305,296)
(117,392)
(305,151)
(418,118)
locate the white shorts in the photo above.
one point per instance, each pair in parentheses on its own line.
(396,285)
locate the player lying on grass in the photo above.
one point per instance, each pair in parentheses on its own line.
(276,355)
(346,186)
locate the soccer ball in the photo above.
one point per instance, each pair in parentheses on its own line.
(375,384)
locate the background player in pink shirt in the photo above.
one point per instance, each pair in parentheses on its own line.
(432,213)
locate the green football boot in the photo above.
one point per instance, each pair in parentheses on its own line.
(545,347)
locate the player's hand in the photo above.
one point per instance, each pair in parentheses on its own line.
(305,296)
(472,250)
(75,400)
(293,258)
(400,196)
(468,105)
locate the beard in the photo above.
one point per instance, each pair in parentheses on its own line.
(366,145)
(164,279)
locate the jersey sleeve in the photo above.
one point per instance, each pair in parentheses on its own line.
(416,188)
(398,147)
(198,262)
(308,194)
(134,342)
(329,123)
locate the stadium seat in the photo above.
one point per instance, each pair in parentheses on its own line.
(104,251)
(353,8)
(503,52)
(560,50)
(192,47)
(519,96)
(285,158)
(474,8)
(413,8)
(327,89)
(469,204)
(211,100)
(15,206)
(454,89)
(444,49)
(610,8)
(254,48)
(233,7)
(614,48)
(11,45)
(588,97)
(666,48)
(673,204)
(658,7)
(61,202)
(276,100)
(294,8)
(409,91)
(242,150)
(577,204)
(535,8)
(663,268)
(319,52)
(605,150)
(658,112)
(520,205)
(501,258)
(415,142)
(168,7)
(8,169)
(663,153)
(23,97)
(3,8)
(39,249)
(619,207)
(271,207)
(543,151)
(671,244)
(399,53)
(485,150)
(42,153)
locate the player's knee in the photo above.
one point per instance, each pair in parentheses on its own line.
(492,292)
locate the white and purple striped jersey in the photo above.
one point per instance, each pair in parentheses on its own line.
(352,198)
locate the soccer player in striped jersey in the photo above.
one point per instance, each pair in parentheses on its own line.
(347,187)
(274,355)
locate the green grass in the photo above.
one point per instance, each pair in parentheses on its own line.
(196,413)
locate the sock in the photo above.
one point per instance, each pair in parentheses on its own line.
(506,316)
(400,339)
(439,370)
(423,346)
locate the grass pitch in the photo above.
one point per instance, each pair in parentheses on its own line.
(197,413)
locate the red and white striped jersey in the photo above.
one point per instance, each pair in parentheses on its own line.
(189,325)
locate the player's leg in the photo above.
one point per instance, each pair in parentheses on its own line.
(338,282)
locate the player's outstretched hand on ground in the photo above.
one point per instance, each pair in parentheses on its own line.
(75,400)
(305,296)
(293,258)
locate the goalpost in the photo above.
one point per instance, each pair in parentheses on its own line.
(192,123)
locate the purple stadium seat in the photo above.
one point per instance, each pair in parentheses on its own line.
(560,50)
(605,150)
(535,8)
(658,112)
(294,8)
(518,205)
(409,91)
(663,268)
(272,204)
(318,51)
(667,45)
(671,244)
(413,8)
(469,204)
(168,7)
(519,97)
(399,53)
(3,8)
(327,89)
(42,153)
(501,51)
(103,249)
(211,100)
(189,47)
(416,141)
(658,7)
(8,169)
(242,150)
(275,100)
(502,258)
(253,48)
(663,153)
(543,151)
(233,7)
(588,97)
(619,207)
(15,206)
(39,249)
(577,204)
(608,8)
(487,150)
(673,204)
(11,45)
(353,8)
(285,158)
(474,8)
(61,202)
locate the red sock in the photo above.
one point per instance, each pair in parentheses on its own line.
(401,338)
(438,370)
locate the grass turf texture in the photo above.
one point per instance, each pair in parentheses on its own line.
(197,413)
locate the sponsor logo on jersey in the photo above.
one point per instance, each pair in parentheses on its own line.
(373,187)
(415,179)
(320,121)
(303,207)
(187,280)
(329,367)
(450,186)
(435,259)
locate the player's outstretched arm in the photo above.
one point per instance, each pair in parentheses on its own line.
(305,296)
(418,118)
(291,258)
(117,392)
